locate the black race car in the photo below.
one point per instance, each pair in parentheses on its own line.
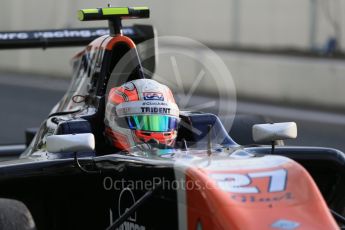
(67,178)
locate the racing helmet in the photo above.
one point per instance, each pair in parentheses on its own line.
(141,111)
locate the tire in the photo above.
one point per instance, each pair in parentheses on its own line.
(241,130)
(14,215)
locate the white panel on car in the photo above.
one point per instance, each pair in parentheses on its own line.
(83,142)
(274,132)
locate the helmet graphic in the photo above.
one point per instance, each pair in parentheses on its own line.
(141,111)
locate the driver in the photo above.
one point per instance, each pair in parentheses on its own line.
(141,111)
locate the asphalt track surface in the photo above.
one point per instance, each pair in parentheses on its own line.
(25,101)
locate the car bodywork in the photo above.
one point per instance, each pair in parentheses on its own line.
(195,186)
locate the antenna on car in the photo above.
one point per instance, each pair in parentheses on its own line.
(185,144)
(78,165)
(273,145)
(209,141)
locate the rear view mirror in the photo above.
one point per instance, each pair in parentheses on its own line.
(274,132)
(83,142)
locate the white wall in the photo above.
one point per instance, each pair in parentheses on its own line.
(264,23)
(284,79)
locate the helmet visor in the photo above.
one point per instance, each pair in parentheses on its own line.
(153,123)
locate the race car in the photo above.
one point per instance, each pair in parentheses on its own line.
(66,178)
